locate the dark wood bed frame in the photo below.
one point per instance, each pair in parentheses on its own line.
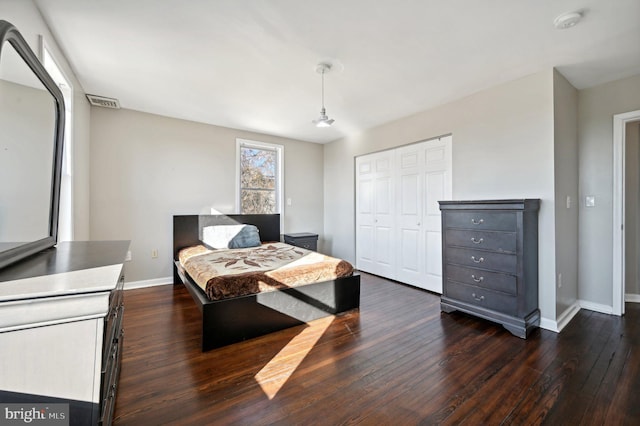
(240,318)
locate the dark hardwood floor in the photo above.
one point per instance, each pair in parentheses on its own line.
(397,361)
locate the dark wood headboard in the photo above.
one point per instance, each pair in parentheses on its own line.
(187,229)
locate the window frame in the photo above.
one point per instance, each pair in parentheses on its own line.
(279,186)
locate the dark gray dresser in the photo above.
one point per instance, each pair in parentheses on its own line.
(490,261)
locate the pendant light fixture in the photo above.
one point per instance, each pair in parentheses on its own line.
(323,120)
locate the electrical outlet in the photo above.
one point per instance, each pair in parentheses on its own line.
(560,280)
(128,256)
(154,253)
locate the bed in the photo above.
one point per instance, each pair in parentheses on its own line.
(234,319)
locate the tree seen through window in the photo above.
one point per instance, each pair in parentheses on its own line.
(258,174)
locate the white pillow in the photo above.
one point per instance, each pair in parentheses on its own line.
(219,236)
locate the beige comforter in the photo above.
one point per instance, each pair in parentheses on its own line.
(238,272)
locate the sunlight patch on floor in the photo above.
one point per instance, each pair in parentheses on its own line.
(278,370)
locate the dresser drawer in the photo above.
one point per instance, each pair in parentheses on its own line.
(305,240)
(307,243)
(485,240)
(111,363)
(112,323)
(482,259)
(110,383)
(477,277)
(482,297)
(482,220)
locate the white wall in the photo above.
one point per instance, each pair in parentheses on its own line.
(596,108)
(146,168)
(565,111)
(24,15)
(632,211)
(503,147)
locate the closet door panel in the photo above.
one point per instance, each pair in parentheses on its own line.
(375,209)
(364,214)
(383,252)
(409,262)
(383,202)
(364,247)
(437,175)
(433,259)
(384,211)
(410,162)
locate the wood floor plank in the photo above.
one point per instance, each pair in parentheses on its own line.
(398,360)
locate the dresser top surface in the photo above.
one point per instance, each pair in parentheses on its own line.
(301,235)
(67,269)
(512,204)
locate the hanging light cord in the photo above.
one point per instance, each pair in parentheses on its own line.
(323,110)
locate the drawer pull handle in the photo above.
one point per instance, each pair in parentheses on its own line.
(477,222)
(479,299)
(478,280)
(477,260)
(474,241)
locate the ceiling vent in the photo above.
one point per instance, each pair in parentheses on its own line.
(101,101)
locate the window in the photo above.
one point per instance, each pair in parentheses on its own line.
(65,221)
(259,177)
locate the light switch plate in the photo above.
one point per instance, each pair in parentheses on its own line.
(590,201)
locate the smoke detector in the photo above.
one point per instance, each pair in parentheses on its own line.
(104,102)
(567,20)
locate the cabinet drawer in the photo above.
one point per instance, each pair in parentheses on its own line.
(111,363)
(482,220)
(485,279)
(482,259)
(110,384)
(486,240)
(112,326)
(482,297)
(305,240)
(307,243)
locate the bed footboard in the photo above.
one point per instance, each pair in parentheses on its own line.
(234,320)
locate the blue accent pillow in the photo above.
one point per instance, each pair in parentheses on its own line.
(247,237)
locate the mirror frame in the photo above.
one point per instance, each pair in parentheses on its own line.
(10,34)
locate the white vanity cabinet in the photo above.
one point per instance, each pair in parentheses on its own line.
(61,328)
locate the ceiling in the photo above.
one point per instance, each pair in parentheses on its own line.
(250,64)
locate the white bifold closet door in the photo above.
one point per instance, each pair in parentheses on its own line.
(398,228)
(375,210)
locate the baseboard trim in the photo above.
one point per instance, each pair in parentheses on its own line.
(633,298)
(596,307)
(566,317)
(547,324)
(148,283)
(562,321)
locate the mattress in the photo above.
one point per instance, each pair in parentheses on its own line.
(230,273)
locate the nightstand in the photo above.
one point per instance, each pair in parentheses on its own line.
(305,240)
